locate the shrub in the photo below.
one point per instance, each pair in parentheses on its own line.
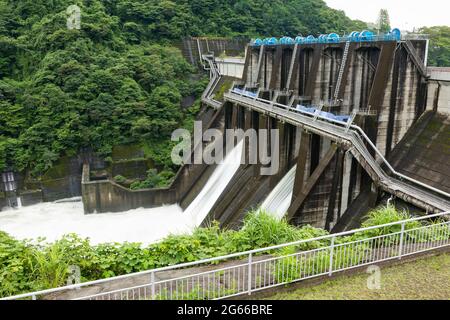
(15,265)
(262,230)
(385,215)
(120,179)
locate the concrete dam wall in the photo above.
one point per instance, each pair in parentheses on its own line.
(380,86)
(320,180)
(383,84)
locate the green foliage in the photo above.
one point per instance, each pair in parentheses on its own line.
(50,265)
(196,293)
(65,90)
(15,265)
(226,86)
(385,215)
(439,54)
(117,80)
(154,180)
(383,22)
(120,179)
(262,229)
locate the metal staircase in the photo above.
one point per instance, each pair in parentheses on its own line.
(215,77)
(412,52)
(406,188)
(341,70)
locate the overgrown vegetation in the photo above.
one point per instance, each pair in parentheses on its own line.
(27,266)
(439,54)
(62,91)
(154,180)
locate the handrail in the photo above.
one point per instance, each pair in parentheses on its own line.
(360,131)
(215,78)
(224,257)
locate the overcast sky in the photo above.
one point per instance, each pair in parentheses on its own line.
(404,14)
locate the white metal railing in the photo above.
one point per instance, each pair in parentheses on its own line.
(259,269)
(359,134)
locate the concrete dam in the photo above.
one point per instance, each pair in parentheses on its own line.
(360,120)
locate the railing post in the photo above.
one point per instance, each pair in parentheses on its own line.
(250,258)
(400,247)
(33,297)
(330,272)
(152,279)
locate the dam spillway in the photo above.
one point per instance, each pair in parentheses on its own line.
(279,199)
(380,84)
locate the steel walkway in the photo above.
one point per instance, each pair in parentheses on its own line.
(403,187)
(215,77)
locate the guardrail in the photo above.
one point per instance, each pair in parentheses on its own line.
(255,270)
(359,134)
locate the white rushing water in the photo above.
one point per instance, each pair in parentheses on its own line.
(52,220)
(279,199)
(55,219)
(202,204)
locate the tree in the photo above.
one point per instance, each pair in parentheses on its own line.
(383,22)
(119,79)
(439,49)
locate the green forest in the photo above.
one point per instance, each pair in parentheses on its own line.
(119,79)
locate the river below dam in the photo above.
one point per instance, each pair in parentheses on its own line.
(52,220)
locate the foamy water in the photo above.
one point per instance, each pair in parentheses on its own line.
(52,220)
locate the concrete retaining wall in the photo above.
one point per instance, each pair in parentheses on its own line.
(108,196)
(439,96)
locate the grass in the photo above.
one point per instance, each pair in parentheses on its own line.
(424,279)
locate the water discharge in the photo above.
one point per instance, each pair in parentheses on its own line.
(55,219)
(222,175)
(278,201)
(52,220)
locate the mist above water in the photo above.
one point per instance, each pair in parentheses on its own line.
(52,220)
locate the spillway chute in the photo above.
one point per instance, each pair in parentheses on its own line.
(279,199)
(214,187)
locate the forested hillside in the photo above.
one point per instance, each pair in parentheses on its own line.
(439,54)
(118,80)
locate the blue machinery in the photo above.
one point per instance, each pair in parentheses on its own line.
(355,36)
